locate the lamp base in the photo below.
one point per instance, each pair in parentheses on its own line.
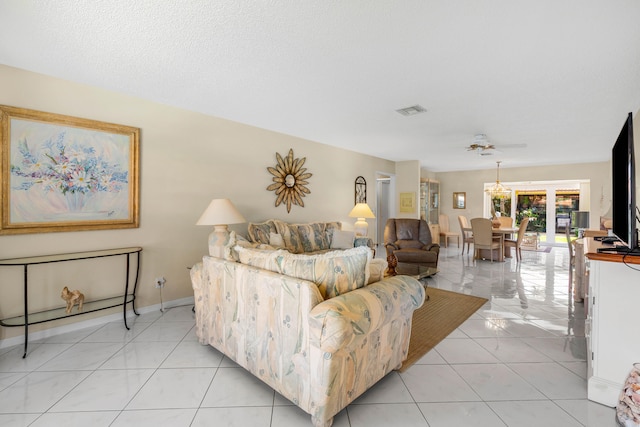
(218,239)
(361,227)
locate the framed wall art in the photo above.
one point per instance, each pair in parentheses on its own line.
(460,200)
(408,202)
(62,173)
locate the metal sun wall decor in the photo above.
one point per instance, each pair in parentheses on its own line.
(289,180)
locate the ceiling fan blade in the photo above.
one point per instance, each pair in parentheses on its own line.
(512,146)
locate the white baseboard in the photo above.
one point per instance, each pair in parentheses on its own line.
(604,391)
(57,330)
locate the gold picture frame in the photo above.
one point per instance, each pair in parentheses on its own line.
(62,173)
(408,202)
(460,200)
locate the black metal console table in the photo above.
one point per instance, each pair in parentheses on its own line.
(89,306)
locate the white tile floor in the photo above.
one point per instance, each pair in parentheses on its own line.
(519,361)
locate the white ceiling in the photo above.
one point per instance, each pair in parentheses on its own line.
(558,76)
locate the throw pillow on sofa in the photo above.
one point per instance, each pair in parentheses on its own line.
(342,239)
(335,273)
(260,232)
(312,236)
(289,233)
(304,238)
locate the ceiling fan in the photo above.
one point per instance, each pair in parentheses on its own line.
(483,147)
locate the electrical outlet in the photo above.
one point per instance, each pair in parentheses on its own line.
(159,282)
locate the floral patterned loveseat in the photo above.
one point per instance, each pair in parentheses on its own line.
(312,327)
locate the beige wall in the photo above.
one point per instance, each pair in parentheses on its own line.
(472,182)
(187,159)
(408,181)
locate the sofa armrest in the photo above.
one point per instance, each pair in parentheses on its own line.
(338,322)
(363,241)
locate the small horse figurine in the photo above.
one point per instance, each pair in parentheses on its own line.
(72,298)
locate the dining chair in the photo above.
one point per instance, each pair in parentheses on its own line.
(483,238)
(445,230)
(467,236)
(517,242)
(505,221)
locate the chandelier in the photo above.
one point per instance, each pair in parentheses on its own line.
(497,190)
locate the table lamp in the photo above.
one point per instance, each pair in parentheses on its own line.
(361,211)
(219,213)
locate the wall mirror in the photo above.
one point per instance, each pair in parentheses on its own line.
(459,200)
(360,190)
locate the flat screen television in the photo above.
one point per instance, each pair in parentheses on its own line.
(623,179)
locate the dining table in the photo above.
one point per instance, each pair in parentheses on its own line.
(503,233)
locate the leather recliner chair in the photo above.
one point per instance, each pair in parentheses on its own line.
(410,241)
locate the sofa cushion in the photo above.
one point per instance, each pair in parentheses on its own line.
(329,229)
(289,233)
(335,273)
(236,240)
(276,240)
(261,258)
(342,239)
(377,268)
(260,232)
(312,236)
(409,244)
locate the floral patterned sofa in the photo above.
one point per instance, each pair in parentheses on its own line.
(316,328)
(312,237)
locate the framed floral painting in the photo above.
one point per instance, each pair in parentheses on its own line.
(62,173)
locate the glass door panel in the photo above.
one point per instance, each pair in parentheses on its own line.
(534,205)
(501,205)
(566,202)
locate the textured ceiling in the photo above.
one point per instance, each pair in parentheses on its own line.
(558,76)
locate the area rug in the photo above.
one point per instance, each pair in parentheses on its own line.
(436,319)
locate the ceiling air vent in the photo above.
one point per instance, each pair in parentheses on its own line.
(412,111)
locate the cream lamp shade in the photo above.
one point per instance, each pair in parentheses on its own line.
(361,211)
(220,213)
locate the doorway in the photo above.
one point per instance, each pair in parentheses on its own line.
(548,204)
(385,190)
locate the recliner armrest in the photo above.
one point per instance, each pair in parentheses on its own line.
(434,247)
(391,246)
